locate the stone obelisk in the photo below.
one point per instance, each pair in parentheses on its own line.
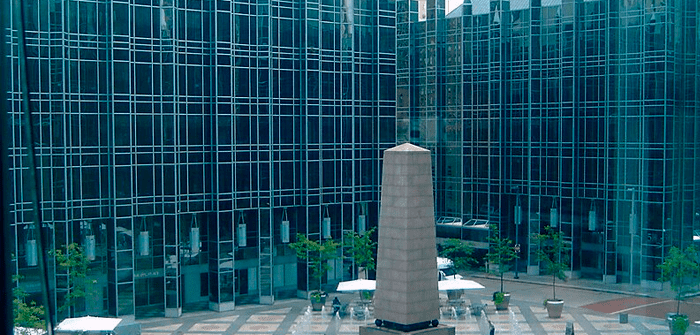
(406,298)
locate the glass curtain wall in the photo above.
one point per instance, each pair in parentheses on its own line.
(183,144)
(572,117)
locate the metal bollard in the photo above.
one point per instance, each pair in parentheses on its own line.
(624,317)
(569,328)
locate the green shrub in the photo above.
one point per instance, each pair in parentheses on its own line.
(499,297)
(680,323)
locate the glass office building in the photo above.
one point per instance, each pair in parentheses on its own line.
(576,114)
(184,143)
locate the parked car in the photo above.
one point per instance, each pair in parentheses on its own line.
(446,269)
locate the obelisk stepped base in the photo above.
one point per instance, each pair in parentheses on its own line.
(439,330)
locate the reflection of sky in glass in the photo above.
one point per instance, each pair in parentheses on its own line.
(450,5)
(519,4)
(547,3)
(480,7)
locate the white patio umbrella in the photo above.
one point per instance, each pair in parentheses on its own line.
(455,287)
(357,285)
(458,284)
(97,325)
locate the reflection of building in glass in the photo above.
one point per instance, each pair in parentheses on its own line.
(581,113)
(183,143)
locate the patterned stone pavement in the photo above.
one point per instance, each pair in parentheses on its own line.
(593,308)
(293,317)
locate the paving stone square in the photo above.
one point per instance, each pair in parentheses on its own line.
(229,319)
(265,318)
(278,311)
(258,327)
(210,327)
(560,327)
(508,328)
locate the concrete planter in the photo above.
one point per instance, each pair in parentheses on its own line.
(318,301)
(554,308)
(502,306)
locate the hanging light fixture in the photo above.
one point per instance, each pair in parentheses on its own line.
(89,242)
(592,224)
(32,256)
(241,232)
(194,236)
(284,231)
(326,226)
(144,247)
(361,221)
(554,215)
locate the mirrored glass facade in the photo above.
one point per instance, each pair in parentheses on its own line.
(582,112)
(178,135)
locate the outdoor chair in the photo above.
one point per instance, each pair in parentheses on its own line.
(477,308)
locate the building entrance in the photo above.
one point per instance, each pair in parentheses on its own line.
(150,297)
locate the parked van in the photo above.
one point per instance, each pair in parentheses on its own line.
(446,269)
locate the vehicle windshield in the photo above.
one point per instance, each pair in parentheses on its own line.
(449,271)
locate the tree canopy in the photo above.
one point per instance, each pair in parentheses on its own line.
(317,254)
(681,269)
(552,252)
(361,248)
(501,252)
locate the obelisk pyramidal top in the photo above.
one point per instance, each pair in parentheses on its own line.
(407,291)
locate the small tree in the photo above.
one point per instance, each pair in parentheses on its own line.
(459,252)
(25,314)
(361,249)
(500,253)
(553,252)
(75,262)
(317,255)
(681,269)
